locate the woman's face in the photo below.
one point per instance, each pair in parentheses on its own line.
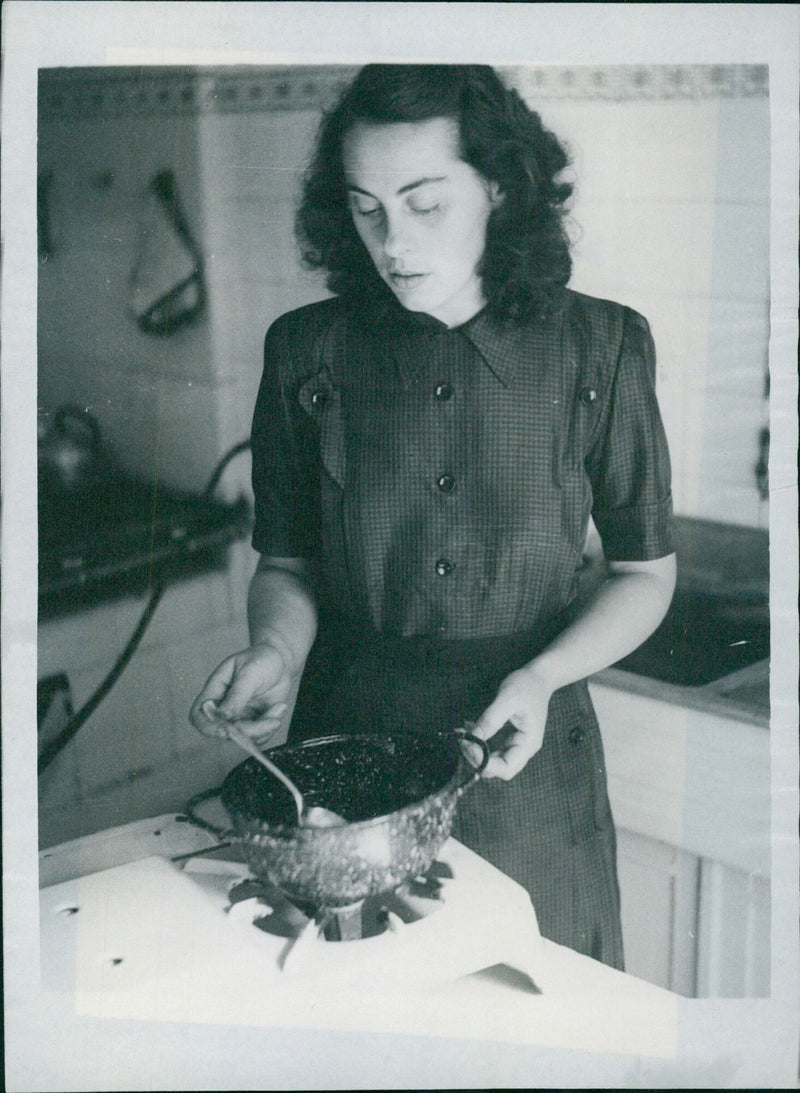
(421,212)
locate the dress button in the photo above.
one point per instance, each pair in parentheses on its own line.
(444,567)
(444,391)
(588,396)
(576,735)
(446,483)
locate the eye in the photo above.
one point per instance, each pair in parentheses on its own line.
(425,210)
(359,208)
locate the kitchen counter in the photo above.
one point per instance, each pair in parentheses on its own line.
(717,628)
(567,1008)
(741,696)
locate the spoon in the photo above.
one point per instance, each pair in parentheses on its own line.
(306,817)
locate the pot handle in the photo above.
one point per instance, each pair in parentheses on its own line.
(222,833)
(476,772)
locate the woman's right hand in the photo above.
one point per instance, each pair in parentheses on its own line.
(251,688)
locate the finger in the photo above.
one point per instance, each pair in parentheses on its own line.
(252,694)
(207,724)
(214,690)
(507,762)
(261,721)
(472,752)
(504,767)
(217,684)
(260,732)
(493,718)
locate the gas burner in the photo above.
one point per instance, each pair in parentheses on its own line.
(259,903)
(462,916)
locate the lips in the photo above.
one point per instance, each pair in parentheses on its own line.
(406,280)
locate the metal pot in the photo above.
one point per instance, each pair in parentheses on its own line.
(398,795)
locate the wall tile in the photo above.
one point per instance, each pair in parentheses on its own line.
(83,639)
(188,447)
(658,151)
(256,154)
(687,494)
(741,251)
(59,825)
(243,563)
(739,346)
(743,151)
(170,788)
(107,810)
(189,663)
(244,314)
(728,504)
(680,328)
(189,607)
(732,420)
(689,438)
(59,785)
(254,240)
(132,728)
(733,466)
(658,248)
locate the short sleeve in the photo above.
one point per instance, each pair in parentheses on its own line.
(283,450)
(629,463)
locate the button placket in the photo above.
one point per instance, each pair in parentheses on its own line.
(445,480)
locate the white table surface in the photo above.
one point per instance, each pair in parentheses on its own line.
(592,1027)
(584,1005)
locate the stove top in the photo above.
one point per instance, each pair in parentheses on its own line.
(205,937)
(116,541)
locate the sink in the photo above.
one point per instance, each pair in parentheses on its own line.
(704,637)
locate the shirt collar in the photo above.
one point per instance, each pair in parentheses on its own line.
(412,333)
(499,345)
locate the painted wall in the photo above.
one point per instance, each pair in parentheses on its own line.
(670,217)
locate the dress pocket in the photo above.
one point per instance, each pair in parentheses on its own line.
(322,401)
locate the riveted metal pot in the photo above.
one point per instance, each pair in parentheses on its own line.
(398,795)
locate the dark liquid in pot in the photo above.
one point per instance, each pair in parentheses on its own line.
(358,779)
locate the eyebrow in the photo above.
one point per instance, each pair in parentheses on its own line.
(403,189)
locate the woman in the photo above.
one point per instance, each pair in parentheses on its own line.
(428,447)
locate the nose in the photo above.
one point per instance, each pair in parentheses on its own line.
(397,241)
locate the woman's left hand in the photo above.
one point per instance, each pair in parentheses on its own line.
(521,704)
(623,611)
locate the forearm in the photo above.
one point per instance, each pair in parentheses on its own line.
(281,610)
(622,613)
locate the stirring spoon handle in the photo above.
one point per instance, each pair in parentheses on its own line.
(244,741)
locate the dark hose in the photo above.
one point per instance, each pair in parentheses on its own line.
(78,719)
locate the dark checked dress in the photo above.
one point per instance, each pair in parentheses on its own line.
(442,481)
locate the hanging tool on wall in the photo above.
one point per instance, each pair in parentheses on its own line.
(167,281)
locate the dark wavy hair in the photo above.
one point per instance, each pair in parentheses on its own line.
(527,249)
